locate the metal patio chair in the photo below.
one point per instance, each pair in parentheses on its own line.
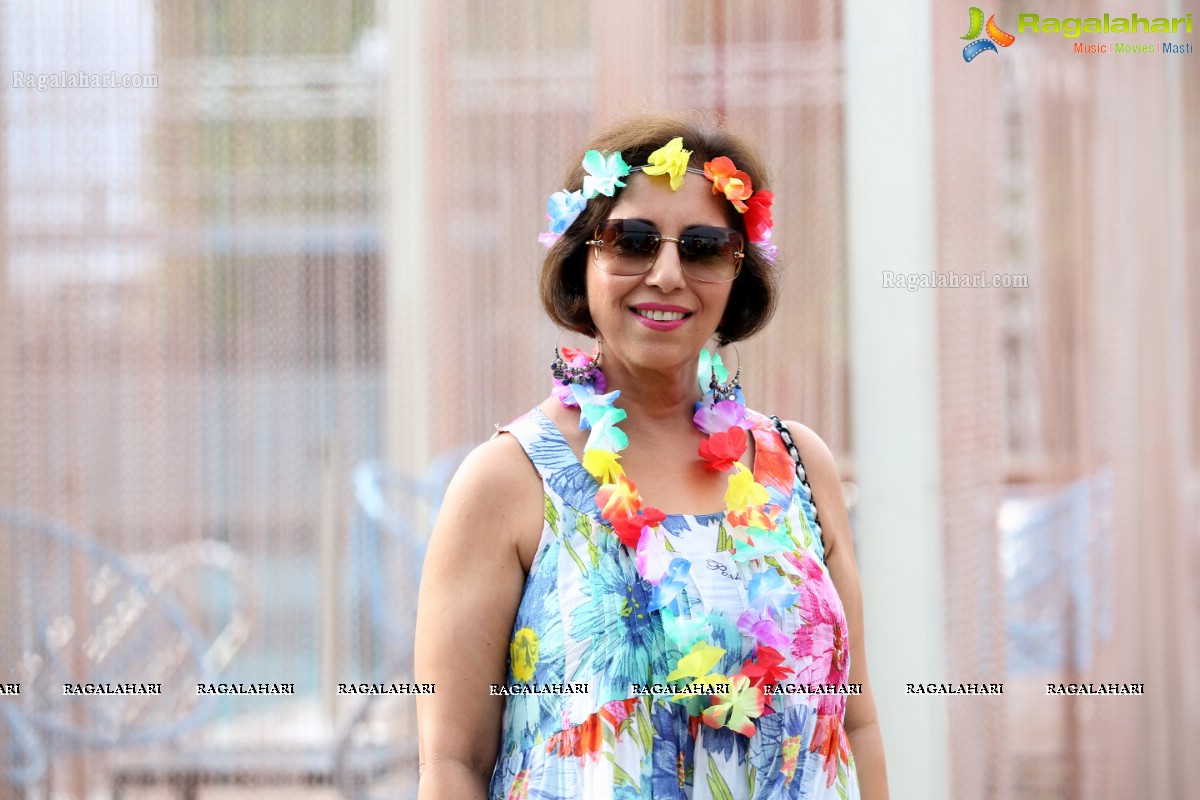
(390,530)
(83,614)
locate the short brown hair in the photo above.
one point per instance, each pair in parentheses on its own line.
(563,285)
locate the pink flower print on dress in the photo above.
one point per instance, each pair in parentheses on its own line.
(823,637)
(807,565)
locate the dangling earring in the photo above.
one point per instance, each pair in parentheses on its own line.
(567,374)
(729,389)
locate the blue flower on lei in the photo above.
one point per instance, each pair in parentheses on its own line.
(605,434)
(771,591)
(666,593)
(594,406)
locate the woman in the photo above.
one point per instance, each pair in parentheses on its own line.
(640,552)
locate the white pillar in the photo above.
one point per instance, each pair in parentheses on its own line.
(1178,728)
(8,336)
(894,381)
(405,156)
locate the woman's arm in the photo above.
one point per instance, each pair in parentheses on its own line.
(471,585)
(862,723)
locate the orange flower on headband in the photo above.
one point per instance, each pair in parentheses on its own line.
(729,179)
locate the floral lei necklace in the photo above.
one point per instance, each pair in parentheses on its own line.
(750,523)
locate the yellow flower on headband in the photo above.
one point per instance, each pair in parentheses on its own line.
(670,159)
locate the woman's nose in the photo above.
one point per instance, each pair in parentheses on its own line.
(666,271)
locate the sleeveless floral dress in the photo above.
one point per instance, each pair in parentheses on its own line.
(587,651)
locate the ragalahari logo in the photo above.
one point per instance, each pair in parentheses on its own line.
(995,36)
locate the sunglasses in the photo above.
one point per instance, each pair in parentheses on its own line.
(629,246)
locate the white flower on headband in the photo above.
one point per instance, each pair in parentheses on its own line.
(604,173)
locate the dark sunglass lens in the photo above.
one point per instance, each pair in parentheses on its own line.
(701,248)
(708,244)
(630,238)
(636,243)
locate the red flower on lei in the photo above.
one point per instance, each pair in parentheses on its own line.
(629,528)
(767,669)
(721,450)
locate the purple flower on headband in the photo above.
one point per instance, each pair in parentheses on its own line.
(563,208)
(770,252)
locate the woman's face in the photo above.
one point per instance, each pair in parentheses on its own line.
(623,306)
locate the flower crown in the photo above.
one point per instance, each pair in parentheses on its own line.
(604,173)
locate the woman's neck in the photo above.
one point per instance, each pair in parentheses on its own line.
(653,396)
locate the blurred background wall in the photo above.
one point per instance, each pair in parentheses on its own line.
(248,310)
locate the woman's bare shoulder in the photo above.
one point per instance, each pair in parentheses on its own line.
(496,493)
(495,473)
(813,449)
